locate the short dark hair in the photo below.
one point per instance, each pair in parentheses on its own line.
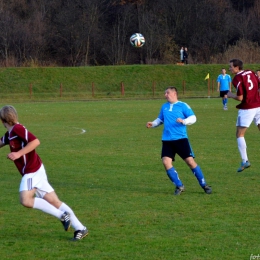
(173,88)
(237,63)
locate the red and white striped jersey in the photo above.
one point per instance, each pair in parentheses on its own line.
(247,84)
(17,138)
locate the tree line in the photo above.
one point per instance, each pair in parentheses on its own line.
(97,32)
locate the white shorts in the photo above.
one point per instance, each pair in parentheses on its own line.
(37,180)
(247,116)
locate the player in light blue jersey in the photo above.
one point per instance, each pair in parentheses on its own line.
(224,86)
(176,115)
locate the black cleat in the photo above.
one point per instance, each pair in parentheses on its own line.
(80,234)
(207,189)
(179,190)
(65,220)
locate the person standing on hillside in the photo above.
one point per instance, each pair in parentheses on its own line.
(35,190)
(224,86)
(185,55)
(181,54)
(176,115)
(246,83)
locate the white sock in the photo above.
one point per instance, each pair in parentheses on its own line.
(46,207)
(75,223)
(242,148)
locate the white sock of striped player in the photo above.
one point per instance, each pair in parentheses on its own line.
(46,207)
(75,223)
(242,148)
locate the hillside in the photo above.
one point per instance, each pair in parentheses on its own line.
(138,81)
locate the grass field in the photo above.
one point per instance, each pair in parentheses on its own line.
(112,176)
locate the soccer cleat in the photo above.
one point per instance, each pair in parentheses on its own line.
(179,190)
(79,234)
(225,107)
(207,189)
(65,220)
(243,166)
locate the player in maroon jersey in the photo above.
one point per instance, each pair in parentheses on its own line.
(247,84)
(35,190)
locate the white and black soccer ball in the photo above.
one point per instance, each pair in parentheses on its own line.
(137,40)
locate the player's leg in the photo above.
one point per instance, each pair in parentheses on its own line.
(37,184)
(257,118)
(242,148)
(244,120)
(171,172)
(167,156)
(186,153)
(80,230)
(28,200)
(53,199)
(196,170)
(222,95)
(240,135)
(225,98)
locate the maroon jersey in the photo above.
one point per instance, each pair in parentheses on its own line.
(247,84)
(18,138)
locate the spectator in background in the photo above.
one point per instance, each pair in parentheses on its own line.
(185,55)
(224,86)
(181,54)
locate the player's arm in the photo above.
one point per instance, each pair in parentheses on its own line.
(27,149)
(218,86)
(234,96)
(187,121)
(154,123)
(1,144)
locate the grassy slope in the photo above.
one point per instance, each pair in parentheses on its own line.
(137,80)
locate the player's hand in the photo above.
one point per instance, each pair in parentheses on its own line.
(149,124)
(179,120)
(231,95)
(13,156)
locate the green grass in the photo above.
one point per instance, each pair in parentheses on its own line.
(139,81)
(113,178)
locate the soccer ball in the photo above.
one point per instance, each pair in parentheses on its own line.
(137,40)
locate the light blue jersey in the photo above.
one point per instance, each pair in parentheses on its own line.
(224,81)
(169,114)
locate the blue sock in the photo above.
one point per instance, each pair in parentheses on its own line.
(226,101)
(173,175)
(199,175)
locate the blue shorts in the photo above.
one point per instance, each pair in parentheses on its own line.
(223,93)
(181,147)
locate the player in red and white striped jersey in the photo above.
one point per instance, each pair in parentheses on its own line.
(247,84)
(34,181)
